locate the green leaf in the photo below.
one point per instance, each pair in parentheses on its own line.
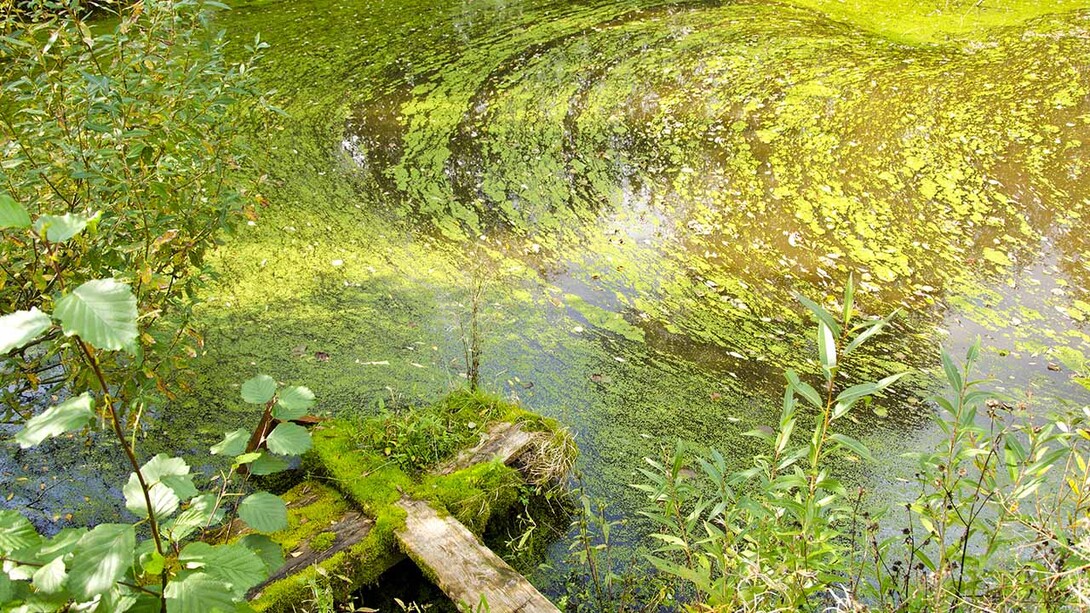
(820,313)
(60,545)
(952,374)
(805,389)
(293,403)
(202,511)
(233,564)
(101,558)
(21,327)
(852,445)
(72,414)
(164,500)
(267,464)
(168,482)
(163,465)
(259,390)
(199,593)
(101,312)
(182,485)
(826,346)
(50,578)
(59,228)
(7,588)
(12,214)
(264,512)
(16,533)
(288,439)
(233,443)
(152,562)
(849,299)
(267,550)
(847,398)
(872,329)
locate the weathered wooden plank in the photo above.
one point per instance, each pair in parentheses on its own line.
(350,529)
(461,566)
(505,441)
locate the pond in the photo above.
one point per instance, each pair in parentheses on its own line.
(640,189)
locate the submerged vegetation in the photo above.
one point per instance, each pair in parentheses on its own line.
(603,210)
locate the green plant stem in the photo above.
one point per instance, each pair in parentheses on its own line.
(119,432)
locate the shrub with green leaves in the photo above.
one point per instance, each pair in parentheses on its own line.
(999,520)
(120,159)
(125,144)
(109,568)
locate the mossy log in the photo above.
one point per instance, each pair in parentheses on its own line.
(504,441)
(348,530)
(348,535)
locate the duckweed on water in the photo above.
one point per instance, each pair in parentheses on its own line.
(645,185)
(648,183)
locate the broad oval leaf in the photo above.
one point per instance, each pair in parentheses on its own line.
(168,483)
(267,463)
(264,512)
(293,403)
(234,564)
(233,443)
(101,558)
(164,502)
(259,389)
(266,549)
(49,579)
(202,511)
(101,312)
(199,593)
(16,533)
(288,439)
(72,414)
(21,327)
(163,465)
(59,228)
(12,214)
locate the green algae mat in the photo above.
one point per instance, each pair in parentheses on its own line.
(639,189)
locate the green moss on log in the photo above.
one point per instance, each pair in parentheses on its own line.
(357,470)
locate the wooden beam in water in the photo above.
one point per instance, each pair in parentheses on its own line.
(351,528)
(460,565)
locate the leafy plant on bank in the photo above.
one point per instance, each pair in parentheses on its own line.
(119,167)
(125,143)
(1000,519)
(108,567)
